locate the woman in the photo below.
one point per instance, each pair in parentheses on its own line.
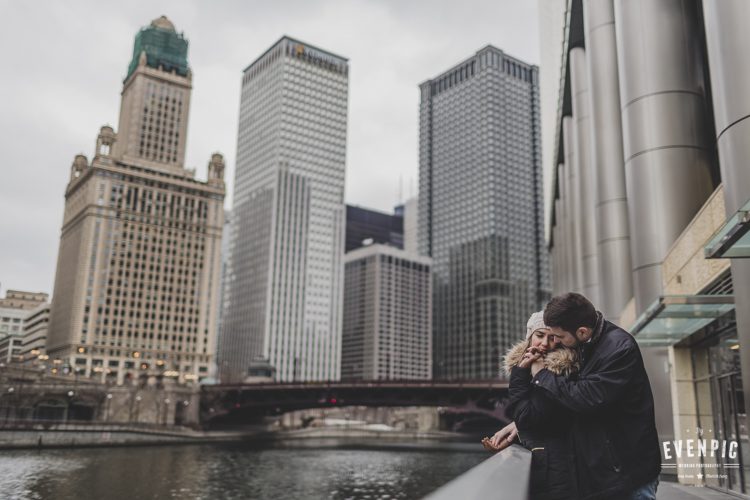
(542,423)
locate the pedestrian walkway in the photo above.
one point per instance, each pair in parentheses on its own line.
(511,468)
(675,491)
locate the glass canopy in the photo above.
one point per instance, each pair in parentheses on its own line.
(671,318)
(732,240)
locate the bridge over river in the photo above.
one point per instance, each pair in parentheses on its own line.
(236,404)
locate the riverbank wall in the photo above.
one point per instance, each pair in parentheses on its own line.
(87,435)
(92,435)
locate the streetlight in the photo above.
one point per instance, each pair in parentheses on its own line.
(70,402)
(11,390)
(137,408)
(164,412)
(106,413)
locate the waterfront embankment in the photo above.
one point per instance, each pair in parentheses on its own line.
(73,435)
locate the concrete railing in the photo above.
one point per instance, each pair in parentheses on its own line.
(504,475)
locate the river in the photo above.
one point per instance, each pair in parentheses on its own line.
(233,471)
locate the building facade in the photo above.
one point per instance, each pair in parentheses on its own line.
(480,214)
(387,332)
(35,327)
(285,277)
(138,268)
(381,228)
(11,333)
(411,224)
(16,299)
(652,121)
(14,310)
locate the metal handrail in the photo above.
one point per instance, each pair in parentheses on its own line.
(504,475)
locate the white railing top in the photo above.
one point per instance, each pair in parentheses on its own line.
(504,475)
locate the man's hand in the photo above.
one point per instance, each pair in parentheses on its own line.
(537,366)
(504,437)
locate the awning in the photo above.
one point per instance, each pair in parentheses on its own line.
(732,240)
(671,318)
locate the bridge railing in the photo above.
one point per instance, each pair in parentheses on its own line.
(386,384)
(504,475)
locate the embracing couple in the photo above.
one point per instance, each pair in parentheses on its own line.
(581,401)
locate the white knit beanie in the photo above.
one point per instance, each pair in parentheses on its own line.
(536,322)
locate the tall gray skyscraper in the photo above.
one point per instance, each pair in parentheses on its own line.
(480,209)
(285,279)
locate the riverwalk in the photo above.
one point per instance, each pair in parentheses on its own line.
(508,471)
(674,491)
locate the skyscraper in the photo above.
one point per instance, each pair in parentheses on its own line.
(285,280)
(480,209)
(139,262)
(387,332)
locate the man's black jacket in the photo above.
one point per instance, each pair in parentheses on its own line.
(614,439)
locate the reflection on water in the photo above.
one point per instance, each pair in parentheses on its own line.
(230,472)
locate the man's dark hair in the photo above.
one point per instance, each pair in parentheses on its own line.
(570,311)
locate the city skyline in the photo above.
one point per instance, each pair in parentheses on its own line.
(382,136)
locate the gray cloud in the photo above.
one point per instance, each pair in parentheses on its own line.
(64,63)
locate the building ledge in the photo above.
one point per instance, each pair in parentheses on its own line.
(672,318)
(732,240)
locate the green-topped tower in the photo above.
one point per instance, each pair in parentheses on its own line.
(138,270)
(156,99)
(164,48)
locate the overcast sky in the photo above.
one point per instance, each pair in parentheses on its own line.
(63,65)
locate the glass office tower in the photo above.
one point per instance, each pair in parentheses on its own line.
(480,209)
(285,279)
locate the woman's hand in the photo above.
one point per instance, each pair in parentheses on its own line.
(530,356)
(503,438)
(489,446)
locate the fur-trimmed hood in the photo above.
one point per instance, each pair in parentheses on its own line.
(560,361)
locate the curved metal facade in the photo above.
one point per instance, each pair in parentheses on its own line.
(667,142)
(610,198)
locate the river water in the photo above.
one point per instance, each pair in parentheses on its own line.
(296,471)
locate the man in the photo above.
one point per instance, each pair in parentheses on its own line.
(613,437)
